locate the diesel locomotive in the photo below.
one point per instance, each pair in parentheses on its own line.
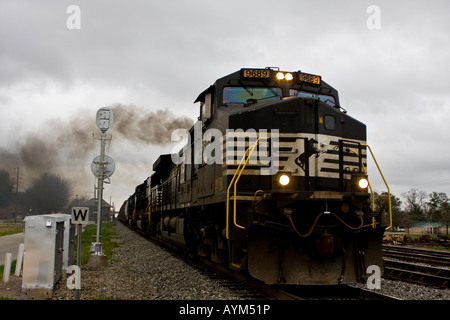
(271,180)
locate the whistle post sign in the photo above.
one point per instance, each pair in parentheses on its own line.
(80,215)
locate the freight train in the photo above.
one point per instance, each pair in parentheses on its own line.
(271,180)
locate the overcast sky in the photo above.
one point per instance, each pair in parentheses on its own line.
(58,66)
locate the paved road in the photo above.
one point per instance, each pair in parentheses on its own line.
(10,244)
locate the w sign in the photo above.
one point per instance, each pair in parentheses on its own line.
(80,215)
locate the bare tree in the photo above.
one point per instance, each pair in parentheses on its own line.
(48,193)
(78,201)
(416,205)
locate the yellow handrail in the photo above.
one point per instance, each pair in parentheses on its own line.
(234,181)
(148,210)
(365,172)
(385,183)
(387,187)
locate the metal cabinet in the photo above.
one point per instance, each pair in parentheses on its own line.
(46,248)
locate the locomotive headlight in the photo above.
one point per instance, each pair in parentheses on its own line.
(284,180)
(363,183)
(280,75)
(286,76)
(360,183)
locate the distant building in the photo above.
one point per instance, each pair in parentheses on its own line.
(92,204)
(423,227)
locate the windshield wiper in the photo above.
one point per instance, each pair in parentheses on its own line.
(275,93)
(250,92)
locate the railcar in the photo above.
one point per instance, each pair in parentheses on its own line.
(271,180)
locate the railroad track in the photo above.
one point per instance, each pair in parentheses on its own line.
(428,267)
(432,257)
(251,289)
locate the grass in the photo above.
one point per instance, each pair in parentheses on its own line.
(108,237)
(8,229)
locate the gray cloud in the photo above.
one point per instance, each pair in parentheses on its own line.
(155,57)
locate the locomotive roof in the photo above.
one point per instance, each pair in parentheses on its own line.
(269,77)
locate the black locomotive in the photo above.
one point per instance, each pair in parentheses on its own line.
(271,180)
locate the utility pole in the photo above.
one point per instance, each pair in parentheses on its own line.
(17,181)
(16,201)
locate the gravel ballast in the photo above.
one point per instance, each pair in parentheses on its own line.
(141,270)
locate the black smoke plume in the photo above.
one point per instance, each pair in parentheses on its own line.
(155,127)
(66,145)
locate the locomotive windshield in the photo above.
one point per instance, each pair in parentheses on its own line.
(233,95)
(322,97)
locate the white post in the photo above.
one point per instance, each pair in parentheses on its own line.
(19,260)
(7,269)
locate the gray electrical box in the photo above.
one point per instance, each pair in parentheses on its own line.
(48,239)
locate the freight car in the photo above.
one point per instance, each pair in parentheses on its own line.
(271,180)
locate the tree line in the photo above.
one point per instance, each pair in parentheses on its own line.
(47,193)
(417,206)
